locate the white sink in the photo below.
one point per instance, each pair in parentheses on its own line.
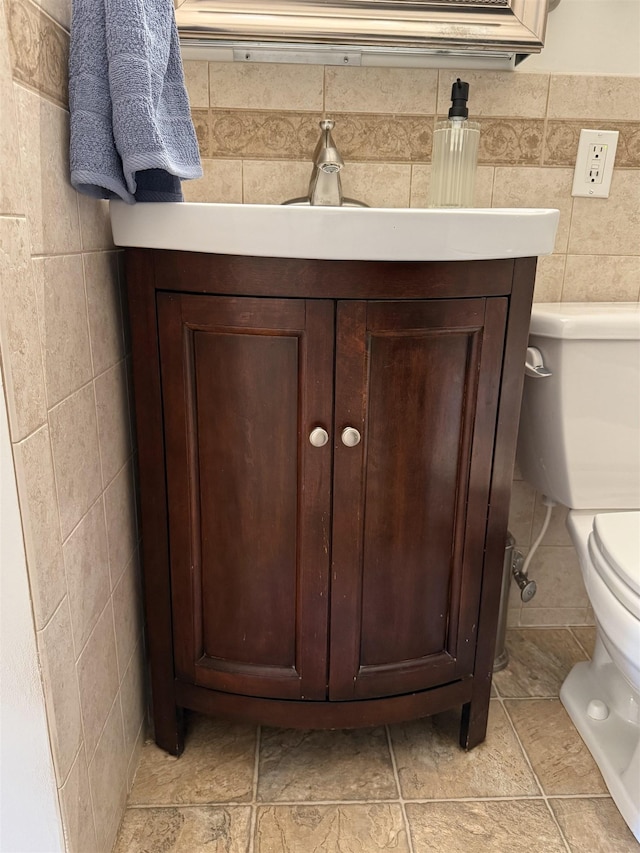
(337,233)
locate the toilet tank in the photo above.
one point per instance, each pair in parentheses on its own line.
(579,438)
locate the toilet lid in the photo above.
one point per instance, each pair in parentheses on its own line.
(617,538)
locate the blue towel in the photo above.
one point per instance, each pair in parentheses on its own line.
(131,131)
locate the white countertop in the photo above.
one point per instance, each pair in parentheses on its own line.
(337,233)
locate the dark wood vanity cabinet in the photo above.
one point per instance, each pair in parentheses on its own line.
(336,584)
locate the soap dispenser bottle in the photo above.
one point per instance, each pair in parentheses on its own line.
(455,154)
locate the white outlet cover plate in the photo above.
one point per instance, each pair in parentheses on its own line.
(584,184)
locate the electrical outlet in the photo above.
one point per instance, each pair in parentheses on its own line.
(594,163)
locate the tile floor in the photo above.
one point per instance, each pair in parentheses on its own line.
(532,787)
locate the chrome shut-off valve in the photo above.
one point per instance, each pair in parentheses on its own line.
(528,587)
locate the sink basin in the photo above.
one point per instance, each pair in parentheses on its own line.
(337,233)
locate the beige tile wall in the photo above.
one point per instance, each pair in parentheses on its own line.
(65,364)
(257,126)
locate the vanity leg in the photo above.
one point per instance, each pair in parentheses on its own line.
(473,724)
(169,729)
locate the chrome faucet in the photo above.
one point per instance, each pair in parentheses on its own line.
(325,186)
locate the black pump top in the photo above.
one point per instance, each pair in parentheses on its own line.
(459,98)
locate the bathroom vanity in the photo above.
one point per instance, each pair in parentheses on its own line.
(326,445)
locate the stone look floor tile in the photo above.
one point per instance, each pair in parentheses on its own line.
(590,825)
(207,829)
(325,765)
(539,661)
(217,766)
(557,753)
(431,765)
(483,827)
(331,829)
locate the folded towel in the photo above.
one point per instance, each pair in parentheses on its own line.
(131,131)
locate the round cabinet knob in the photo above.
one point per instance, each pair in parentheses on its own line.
(318,437)
(350,437)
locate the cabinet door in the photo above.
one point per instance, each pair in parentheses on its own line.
(420,382)
(244,381)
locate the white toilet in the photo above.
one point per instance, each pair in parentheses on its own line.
(579,444)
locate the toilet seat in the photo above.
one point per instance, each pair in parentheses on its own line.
(614,548)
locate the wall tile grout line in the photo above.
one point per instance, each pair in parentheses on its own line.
(47,96)
(21,216)
(70,254)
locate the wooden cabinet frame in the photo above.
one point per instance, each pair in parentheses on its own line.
(154,274)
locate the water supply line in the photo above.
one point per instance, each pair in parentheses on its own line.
(520,568)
